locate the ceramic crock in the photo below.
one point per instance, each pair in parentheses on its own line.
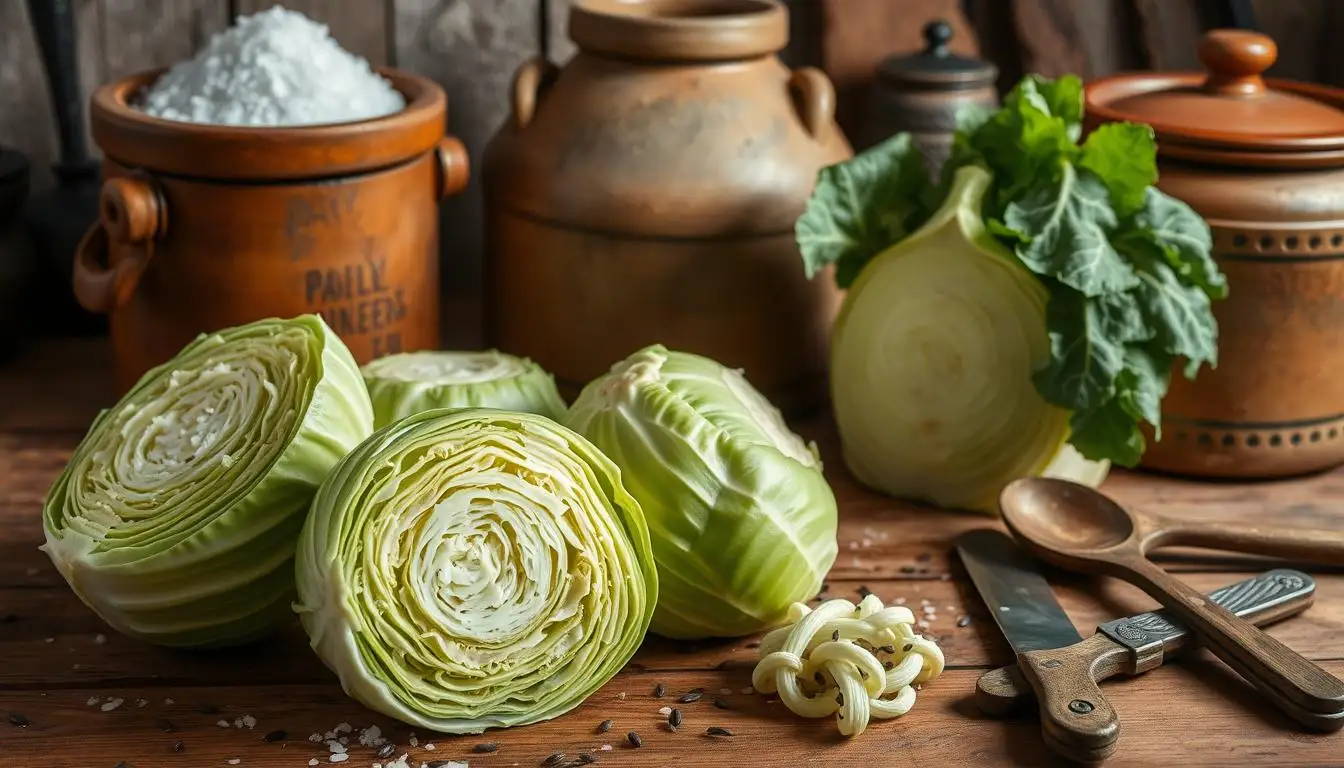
(921,93)
(1262,160)
(205,227)
(647,192)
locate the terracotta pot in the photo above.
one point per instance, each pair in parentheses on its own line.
(647,192)
(1262,161)
(205,227)
(921,93)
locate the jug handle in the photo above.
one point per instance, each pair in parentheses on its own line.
(814,99)
(131,212)
(454,167)
(531,80)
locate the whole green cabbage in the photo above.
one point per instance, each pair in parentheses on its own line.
(477,568)
(177,516)
(411,382)
(741,519)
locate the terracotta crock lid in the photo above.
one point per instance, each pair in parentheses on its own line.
(1230,113)
(680,30)
(937,67)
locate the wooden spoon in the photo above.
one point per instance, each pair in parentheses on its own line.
(1075,527)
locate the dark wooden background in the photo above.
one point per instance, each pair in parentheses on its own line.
(473,46)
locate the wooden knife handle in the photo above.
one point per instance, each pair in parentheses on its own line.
(1075,717)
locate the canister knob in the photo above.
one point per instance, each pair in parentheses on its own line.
(1235,59)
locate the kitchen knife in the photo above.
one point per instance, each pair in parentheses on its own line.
(1059,668)
(1144,641)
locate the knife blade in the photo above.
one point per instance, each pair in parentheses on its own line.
(1076,720)
(1134,645)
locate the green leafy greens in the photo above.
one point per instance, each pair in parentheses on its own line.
(1128,269)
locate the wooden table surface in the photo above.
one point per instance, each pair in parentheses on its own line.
(91,698)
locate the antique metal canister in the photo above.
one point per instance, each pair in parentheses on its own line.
(921,93)
(1262,160)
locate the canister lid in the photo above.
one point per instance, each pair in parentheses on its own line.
(937,67)
(1230,112)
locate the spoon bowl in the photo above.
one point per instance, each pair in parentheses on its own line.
(1060,515)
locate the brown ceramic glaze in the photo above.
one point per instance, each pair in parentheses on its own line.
(647,192)
(205,227)
(1262,160)
(921,94)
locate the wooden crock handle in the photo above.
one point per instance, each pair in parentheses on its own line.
(816,99)
(533,77)
(454,167)
(132,213)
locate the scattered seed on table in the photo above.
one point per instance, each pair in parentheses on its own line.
(864,591)
(587,759)
(165,725)
(488,746)
(275,736)
(721,703)
(18,720)
(179,745)
(964,621)
(634,739)
(693,696)
(674,718)
(554,759)
(386,750)
(659,691)
(604,726)
(715,730)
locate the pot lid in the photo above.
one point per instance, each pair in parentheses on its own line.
(1229,106)
(937,66)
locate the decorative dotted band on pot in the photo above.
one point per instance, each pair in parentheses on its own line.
(1278,246)
(1261,436)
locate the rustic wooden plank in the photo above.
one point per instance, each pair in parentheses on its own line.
(471,48)
(1197,714)
(360,27)
(1170,30)
(1088,38)
(857,34)
(1302,30)
(50,639)
(144,34)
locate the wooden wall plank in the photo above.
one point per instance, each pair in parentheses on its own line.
(26,121)
(1304,35)
(360,27)
(1089,38)
(857,34)
(143,34)
(471,48)
(1170,31)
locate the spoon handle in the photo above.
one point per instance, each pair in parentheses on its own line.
(1303,690)
(1325,547)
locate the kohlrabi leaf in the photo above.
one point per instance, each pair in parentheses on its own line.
(1184,240)
(1141,386)
(863,206)
(1107,431)
(1123,156)
(1068,224)
(1179,314)
(1086,349)
(1061,97)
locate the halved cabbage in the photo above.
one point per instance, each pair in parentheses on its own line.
(177,516)
(742,522)
(408,383)
(931,366)
(471,569)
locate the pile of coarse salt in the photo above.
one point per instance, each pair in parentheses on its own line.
(276,68)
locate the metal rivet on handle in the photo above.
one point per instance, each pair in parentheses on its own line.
(1080,707)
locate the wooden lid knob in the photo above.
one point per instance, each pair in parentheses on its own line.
(1235,60)
(132,210)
